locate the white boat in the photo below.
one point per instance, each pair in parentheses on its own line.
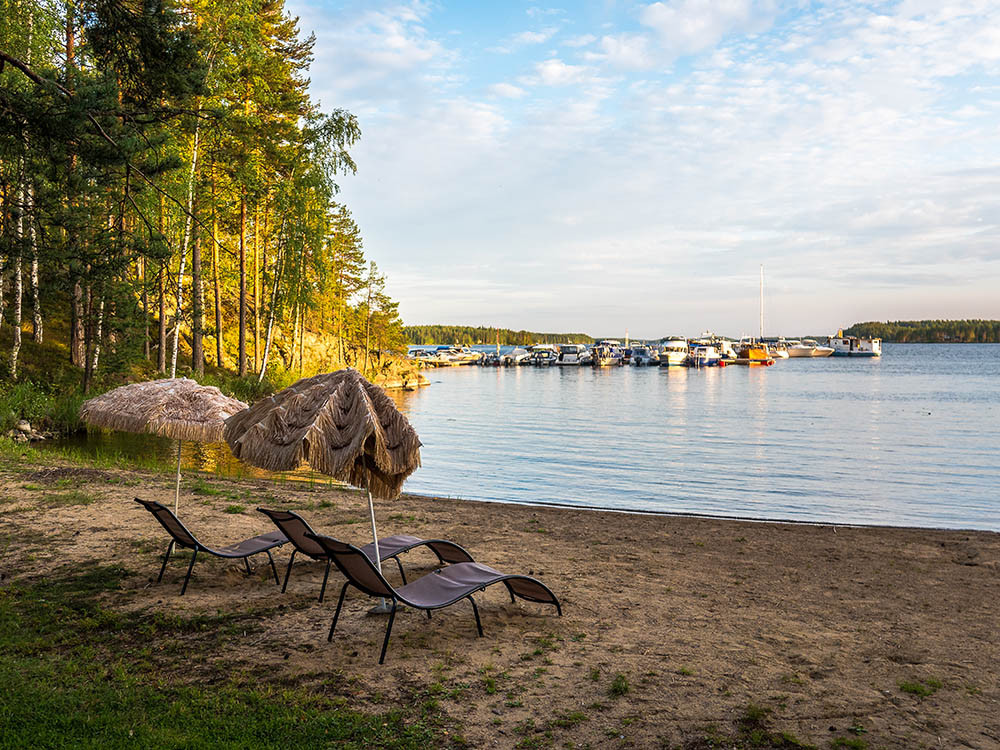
(673,353)
(515,357)
(703,355)
(808,348)
(853,346)
(573,354)
(606,354)
(641,356)
(543,355)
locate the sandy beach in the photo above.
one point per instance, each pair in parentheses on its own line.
(676,631)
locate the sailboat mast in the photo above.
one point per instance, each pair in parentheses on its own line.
(761,301)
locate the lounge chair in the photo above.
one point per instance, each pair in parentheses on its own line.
(436,590)
(293,526)
(181,537)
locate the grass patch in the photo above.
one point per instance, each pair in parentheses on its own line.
(71,497)
(920,688)
(75,674)
(619,686)
(200,487)
(235,508)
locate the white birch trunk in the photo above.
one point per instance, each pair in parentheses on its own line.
(184,247)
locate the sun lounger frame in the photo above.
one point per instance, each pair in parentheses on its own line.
(463,579)
(181,536)
(297,529)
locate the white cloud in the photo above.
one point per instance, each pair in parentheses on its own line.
(624,51)
(689,26)
(506,90)
(554,72)
(580,41)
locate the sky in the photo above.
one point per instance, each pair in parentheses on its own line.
(603,167)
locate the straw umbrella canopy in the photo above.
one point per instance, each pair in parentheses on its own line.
(341,425)
(176,408)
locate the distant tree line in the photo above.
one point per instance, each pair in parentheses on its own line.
(930,331)
(166,180)
(469,335)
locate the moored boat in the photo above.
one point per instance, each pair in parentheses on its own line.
(754,355)
(642,356)
(808,348)
(673,352)
(854,346)
(573,354)
(606,354)
(703,355)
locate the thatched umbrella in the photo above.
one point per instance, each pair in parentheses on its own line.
(176,408)
(341,425)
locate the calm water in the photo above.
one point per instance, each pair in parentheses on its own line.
(908,439)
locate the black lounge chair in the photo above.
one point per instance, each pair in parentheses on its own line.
(295,528)
(183,538)
(436,590)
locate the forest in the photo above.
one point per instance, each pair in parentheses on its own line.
(168,199)
(470,335)
(930,331)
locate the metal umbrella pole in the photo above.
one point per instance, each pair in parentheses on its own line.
(382,608)
(177,491)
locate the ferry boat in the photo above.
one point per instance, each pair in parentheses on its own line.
(573,355)
(853,346)
(673,353)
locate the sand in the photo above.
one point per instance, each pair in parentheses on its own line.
(830,629)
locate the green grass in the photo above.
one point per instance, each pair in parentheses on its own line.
(75,674)
(234,509)
(920,688)
(71,497)
(619,685)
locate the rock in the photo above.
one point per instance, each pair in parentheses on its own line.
(23,426)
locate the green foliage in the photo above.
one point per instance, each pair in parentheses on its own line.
(43,408)
(930,331)
(920,688)
(619,685)
(54,635)
(469,335)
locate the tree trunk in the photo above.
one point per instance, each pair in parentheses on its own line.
(243,287)
(36,308)
(256,287)
(145,308)
(77,345)
(18,290)
(192,174)
(161,354)
(197,307)
(215,278)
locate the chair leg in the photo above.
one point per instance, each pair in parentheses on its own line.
(428,613)
(509,591)
(400,566)
(326,575)
(194,556)
(274,570)
(289,571)
(170,548)
(340,603)
(475,609)
(388,630)
(246,564)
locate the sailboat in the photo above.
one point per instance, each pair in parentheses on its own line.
(755,353)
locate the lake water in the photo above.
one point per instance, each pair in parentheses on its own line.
(908,439)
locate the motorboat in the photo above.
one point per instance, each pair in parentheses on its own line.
(703,355)
(543,355)
(673,352)
(642,356)
(807,348)
(853,346)
(516,357)
(754,355)
(606,354)
(573,354)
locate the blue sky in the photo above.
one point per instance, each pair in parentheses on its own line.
(602,166)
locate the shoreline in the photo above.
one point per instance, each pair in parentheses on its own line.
(695,619)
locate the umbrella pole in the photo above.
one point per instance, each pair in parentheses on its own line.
(177,492)
(383,606)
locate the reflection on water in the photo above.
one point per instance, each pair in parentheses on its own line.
(906,439)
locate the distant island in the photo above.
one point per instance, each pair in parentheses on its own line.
(471,335)
(930,331)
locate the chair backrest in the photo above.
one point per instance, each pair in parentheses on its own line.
(171,523)
(294,527)
(355,566)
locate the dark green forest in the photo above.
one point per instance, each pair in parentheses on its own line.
(930,331)
(470,335)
